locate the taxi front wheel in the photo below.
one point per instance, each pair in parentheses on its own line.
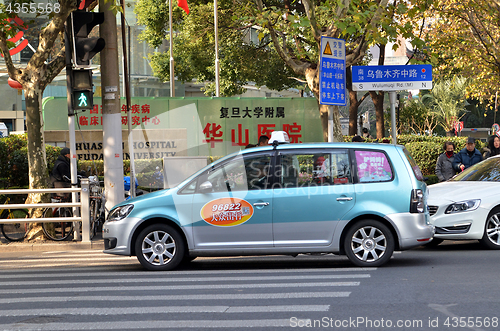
(159,247)
(369,243)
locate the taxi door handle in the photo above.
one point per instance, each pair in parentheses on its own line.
(261,204)
(344,199)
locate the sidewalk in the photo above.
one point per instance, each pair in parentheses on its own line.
(50,246)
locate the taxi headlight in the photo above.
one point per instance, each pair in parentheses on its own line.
(120,213)
(462,206)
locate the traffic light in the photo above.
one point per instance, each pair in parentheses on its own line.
(81,86)
(85,47)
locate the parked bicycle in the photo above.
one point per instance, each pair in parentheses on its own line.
(96,205)
(14,231)
(58,231)
(63,230)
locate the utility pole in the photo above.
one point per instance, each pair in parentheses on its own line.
(111,110)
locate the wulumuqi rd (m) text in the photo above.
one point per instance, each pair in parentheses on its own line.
(365,322)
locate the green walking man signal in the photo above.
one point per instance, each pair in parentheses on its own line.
(83,99)
(83,96)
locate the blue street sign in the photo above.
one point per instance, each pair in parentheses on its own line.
(392,78)
(332,72)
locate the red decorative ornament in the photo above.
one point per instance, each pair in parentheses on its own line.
(14,84)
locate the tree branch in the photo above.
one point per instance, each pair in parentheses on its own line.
(297,66)
(311,15)
(14,73)
(341,11)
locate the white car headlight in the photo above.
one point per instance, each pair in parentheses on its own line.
(461,206)
(120,213)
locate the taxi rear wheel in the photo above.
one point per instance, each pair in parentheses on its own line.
(369,243)
(491,236)
(159,247)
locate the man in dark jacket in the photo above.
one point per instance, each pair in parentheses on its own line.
(467,156)
(61,174)
(60,177)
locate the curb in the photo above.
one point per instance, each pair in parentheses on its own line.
(51,246)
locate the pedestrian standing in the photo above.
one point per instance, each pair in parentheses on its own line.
(444,164)
(468,156)
(366,134)
(493,147)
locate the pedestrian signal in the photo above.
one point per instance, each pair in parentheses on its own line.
(81,83)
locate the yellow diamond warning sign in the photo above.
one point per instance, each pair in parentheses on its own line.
(328,50)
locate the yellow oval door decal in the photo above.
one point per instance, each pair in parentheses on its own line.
(226,212)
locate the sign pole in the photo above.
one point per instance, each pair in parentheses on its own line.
(392,99)
(71,122)
(330,124)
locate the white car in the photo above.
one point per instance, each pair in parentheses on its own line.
(468,205)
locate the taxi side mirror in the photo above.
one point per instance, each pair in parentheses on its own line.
(205,187)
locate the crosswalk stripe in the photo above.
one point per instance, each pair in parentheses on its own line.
(64,258)
(195,324)
(47,297)
(53,265)
(99,272)
(173,287)
(173,279)
(161,310)
(149,298)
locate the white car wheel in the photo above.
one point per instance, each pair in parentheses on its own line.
(491,236)
(369,243)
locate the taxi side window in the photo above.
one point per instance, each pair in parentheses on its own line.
(240,174)
(300,170)
(257,171)
(373,166)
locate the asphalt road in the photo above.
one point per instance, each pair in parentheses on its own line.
(451,287)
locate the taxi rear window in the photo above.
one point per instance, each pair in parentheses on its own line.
(373,166)
(414,165)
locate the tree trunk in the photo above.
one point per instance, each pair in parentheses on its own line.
(337,130)
(353,113)
(353,104)
(38,175)
(378,101)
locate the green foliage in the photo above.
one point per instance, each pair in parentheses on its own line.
(431,179)
(14,167)
(416,117)
(247,52)
(18,167)
(448,101)
(13,164)
(425,154)
(194,49)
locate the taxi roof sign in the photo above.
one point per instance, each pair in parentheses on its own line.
(280,137)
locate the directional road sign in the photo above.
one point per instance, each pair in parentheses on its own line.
(392,78)
(332,72)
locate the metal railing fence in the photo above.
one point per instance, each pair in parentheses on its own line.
(79,208)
